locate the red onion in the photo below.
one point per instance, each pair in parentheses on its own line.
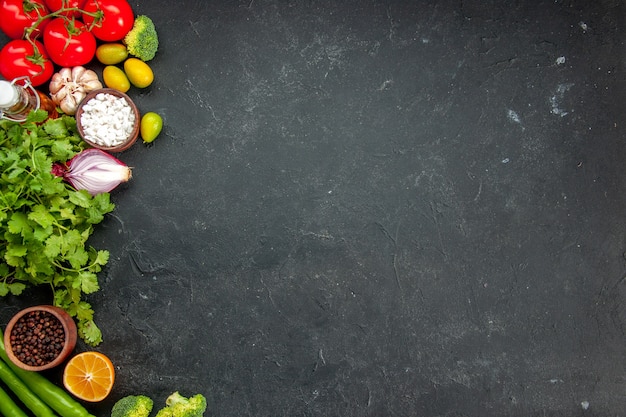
(93,170)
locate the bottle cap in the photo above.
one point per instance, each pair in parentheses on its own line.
(8,94)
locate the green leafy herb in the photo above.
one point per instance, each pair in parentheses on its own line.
(44,222)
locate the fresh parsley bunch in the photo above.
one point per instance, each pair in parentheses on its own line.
(44,222)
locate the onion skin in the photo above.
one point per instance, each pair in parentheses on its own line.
(93,170)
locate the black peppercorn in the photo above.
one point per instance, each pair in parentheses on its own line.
(34,338)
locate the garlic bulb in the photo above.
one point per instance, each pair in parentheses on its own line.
(69,87)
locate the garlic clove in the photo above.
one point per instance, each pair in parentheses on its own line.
(92,85)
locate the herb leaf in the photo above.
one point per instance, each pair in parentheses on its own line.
(45,222)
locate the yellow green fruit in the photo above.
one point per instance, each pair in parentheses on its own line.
(115,78)
(151,125)
(111,53)
(138,72)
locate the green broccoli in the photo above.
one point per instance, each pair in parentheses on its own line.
(132,406)
(142,40)
(179,406)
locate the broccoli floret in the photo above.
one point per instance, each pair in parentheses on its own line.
(142,40)
(132,406)
(179,406)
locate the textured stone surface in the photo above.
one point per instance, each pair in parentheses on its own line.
(375,208)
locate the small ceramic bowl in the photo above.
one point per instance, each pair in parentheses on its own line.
(56,318)
(118,147)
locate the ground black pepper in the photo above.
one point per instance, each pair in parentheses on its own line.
(37,338)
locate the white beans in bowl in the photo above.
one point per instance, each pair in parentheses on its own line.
(107,120)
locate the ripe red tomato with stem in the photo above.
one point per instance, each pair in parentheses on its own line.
(109,20)
(69,42)
(20,57)
(18,15)
(56,5)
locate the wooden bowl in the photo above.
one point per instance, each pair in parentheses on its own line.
(119,147)
(69,337)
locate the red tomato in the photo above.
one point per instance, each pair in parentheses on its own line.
(19,58)
(116,21)
(69,43)
(17,15)
(55,5)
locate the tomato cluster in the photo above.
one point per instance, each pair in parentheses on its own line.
(62,32)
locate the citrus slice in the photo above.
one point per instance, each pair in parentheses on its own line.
(89,376)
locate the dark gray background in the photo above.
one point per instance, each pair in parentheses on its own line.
(375,208)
